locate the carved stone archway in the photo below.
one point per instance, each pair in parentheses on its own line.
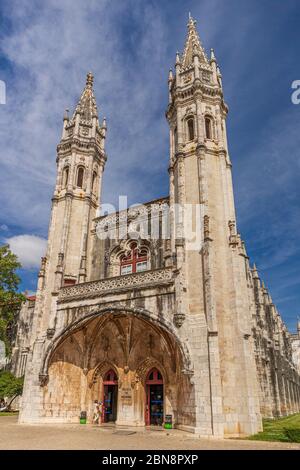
(98,311)
(148,364)
(101,370)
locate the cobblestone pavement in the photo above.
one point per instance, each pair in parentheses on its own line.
(73,436)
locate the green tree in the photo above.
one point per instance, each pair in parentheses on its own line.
(10,386)
(10,299)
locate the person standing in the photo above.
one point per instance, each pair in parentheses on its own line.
(97,412)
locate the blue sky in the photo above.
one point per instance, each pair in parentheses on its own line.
(46,50)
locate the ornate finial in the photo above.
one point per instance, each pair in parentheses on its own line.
(177,58)
(66,115)
(192,45)
(104,123)
(60,259)
(231,225)
(212,54)
(89,79)
(170,75)
(191,22)
(233,236)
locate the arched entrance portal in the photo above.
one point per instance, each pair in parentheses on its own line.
(130,363)
(110,397)
(154,398)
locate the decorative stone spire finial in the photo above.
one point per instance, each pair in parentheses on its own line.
(191,23)
(87,107)
(193,45)
(212,55)
(89,80)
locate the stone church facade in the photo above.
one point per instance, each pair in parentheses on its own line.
(147,322)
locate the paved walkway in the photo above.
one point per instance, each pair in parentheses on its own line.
(73,436)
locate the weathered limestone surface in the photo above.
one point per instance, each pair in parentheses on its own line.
(197,311)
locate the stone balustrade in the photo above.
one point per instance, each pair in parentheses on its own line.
(89,289)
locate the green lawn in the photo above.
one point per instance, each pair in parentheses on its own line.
(283,429)
(8,413)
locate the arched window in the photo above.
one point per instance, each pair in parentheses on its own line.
(154,376)
(135,261)
(191,129)
(208,127)
(94,182)
(65,177)
(110,377)
(80,173)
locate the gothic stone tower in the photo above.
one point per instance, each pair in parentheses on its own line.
(80,163)
(212,292)
(155,326)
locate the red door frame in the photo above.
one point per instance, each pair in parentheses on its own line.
(110,378)
(149,382)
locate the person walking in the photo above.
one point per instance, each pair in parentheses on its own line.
(97,412)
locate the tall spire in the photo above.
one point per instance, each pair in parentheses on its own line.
(192,45)
(87,107)
(84,123)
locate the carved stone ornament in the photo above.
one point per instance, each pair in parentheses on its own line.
(50,332)
(120,282)
(206,226)
(179,319)
(84,131)
(206,76)
(43,379)
(187,78)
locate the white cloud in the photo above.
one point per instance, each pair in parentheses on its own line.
(29,249)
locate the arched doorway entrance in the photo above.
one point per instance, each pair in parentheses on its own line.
(110,358)
(154,398)
(110,397)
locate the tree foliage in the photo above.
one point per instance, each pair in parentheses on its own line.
(10,385)
(10,299)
